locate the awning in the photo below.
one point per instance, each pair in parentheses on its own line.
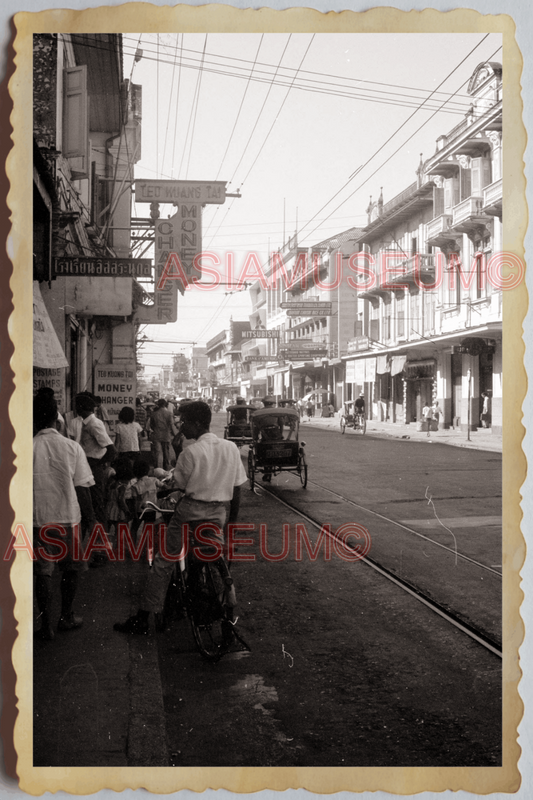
(382,365)
(397,364)
(47,350)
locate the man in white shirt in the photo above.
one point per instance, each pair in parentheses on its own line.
(61,497)
(209,473)
(98,448)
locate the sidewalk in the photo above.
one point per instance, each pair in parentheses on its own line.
(97,695)
(481,439)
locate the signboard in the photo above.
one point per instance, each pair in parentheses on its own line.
(259,358)
(303,355)
(261,334)
(310,311)
(201,192)
(306,305)
(47,350)
(52,379)
(304,344)
(357,344)
(76,266)
(166,241)
(117,386)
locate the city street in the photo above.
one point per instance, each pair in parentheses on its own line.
(345,668)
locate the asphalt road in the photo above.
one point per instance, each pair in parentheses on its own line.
(345,668)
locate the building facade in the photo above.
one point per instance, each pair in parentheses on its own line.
(430,310)
(87,138)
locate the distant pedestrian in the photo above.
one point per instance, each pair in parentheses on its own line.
(427,416)
(485,411)
(162,432)
(436,413)
(61,497)
(140,413)
(128,434)
(309,410)
(331,409)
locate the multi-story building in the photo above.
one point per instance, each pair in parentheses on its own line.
(429,315)
(298,279)
(224,362)
(87,138)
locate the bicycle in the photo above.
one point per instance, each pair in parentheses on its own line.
(206,592)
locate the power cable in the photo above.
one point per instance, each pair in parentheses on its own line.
(387,141)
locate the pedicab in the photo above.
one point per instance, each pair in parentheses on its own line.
(353,417)
(275,445)
(238,428)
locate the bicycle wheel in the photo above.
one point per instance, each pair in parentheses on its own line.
(251,469)
(210,618)
(302,469)
(343,424)
(361,426)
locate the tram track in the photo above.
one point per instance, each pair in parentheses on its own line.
(439,609)
(401,525)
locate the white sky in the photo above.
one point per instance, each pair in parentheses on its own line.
(291,152)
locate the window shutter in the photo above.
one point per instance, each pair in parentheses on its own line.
(466,184)
(451,194)
(76,120)
(476,177)
(438,202)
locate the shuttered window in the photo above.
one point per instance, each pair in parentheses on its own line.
(76,120)
(481,175)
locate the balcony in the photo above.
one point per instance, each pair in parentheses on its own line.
(469,215)
(493,199)
(438,231)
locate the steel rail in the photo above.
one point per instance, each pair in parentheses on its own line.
(456,553)
(452,619)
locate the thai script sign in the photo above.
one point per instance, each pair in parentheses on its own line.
(306,306)
(76,266)
(357,344)
(310,311)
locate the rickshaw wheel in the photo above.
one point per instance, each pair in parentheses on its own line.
(251,469)
(343,424)
(361,425)
(302,470)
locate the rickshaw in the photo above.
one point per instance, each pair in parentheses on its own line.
(353,418)
(238,428)
(275,446)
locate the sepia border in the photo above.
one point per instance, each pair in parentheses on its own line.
(218,18)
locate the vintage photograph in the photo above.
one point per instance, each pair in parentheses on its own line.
(270,281)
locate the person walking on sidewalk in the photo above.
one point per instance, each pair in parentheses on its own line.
(427,416)
(209,473)
(61,500)
(98,448)
(162,432)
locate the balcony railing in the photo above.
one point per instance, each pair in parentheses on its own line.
(469,209)
(438,226)
(493,197)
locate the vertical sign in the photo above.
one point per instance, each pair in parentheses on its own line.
(190,236)
(166,242)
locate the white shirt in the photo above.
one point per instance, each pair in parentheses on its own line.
(59,464)
(210,469)
(94,438)
(127,437)
(73,424)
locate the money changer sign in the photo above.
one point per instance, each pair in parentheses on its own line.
(116,385)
